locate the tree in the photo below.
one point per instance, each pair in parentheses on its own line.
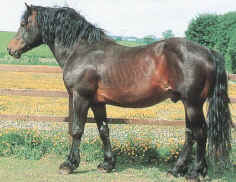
(216,32)
(203,29)
(231,54)
(167,34)
(226,26)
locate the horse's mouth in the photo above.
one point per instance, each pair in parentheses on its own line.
(15,54)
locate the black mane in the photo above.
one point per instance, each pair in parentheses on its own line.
(65,24)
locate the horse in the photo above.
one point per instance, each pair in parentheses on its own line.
(97,71)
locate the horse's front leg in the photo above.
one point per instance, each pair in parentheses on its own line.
(100,116)
(80,111)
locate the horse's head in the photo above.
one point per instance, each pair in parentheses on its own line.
(28,35)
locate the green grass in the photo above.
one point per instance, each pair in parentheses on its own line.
(34,144)
(46,170)
(28,60)
(42,51)
(137,158)
(38,56)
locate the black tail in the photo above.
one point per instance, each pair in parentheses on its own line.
(219,116)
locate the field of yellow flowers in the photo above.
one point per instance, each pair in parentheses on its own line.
(58,106)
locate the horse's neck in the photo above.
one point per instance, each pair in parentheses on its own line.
(61,53)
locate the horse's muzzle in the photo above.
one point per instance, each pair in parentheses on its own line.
(14,53)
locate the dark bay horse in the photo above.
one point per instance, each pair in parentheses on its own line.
(98,71)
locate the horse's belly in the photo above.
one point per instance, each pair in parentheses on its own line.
(131,97)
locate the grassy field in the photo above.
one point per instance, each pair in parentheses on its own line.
(42,51)
(38,56)
(46,170)
(144,153)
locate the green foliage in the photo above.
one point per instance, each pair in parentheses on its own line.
(167,34)
(27,60)
(216,32)
(32,144)
(202,29)
(118,38)
(149,39)
(32,57)
(28,144)
(231,53)
(42,51)
(226,25)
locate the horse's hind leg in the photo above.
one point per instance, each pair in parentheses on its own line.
(80,110)
(181,165)
(198,128)
(100,117)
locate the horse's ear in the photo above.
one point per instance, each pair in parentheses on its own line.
(28,7)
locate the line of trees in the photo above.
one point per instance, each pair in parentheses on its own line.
(216,32)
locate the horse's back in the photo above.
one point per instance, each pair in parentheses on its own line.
(143,76)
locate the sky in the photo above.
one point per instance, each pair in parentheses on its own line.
(125,17)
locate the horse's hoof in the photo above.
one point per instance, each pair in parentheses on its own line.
(172,173)
(65,169)
(193,179)
(102,170)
